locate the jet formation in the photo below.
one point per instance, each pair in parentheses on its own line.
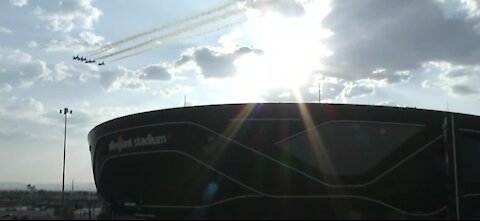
(88,61)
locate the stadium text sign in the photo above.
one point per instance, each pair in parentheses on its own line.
(137,142)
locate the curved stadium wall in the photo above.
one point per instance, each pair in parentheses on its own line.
(290,161)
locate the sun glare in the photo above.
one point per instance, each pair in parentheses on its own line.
(292,50)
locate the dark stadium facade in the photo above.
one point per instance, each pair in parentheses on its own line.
(296,161)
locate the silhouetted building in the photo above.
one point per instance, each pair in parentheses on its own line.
(289,161)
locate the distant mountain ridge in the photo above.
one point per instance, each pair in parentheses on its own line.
(48,186)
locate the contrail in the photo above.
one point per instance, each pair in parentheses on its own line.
(166,26)
(185,37)
(169,36)
(175,33)
(130,55)
(225,26)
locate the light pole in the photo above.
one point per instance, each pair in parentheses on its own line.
(319,92)
(65,112)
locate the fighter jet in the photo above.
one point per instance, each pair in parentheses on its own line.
(76,57)
(103,63)
(83,59)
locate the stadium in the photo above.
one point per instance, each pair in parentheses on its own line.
(289,160)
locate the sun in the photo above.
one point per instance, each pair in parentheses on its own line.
(291,48)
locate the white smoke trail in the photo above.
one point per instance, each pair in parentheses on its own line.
(167,26)
(178,32)
(192,26)
(184,37)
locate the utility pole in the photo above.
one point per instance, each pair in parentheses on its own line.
(65,112)
(319,92)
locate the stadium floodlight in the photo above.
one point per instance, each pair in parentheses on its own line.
(65,112)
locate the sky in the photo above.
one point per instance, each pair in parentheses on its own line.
(423,54)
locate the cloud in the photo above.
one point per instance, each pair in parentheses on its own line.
(117,78)
(86,41)
(84,71)
(357,90)
(390,77)
(24,107)
(24,118)
(388,103)
(308,92)
(5,88)
(379,35)
(91,38)
(214,65)
(37,132)
(68,44)
(79,71)
(212,62)
(33,133)
(81,120)
(290,8)
(464,90)
(85,119)
(464,8)
(170,91)
(19,3)
(19,68)
(279,95)
(332,90)
(156,72)
(32,44)
(458,80)
(113,79)
(26,114)
(60,72)
(68,15)
(458,73)
(5,30)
